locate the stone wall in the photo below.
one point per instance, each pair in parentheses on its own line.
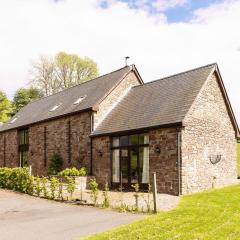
(165,163)
(102,164)
(114,97)
(208,132)
(11,149)
(59,133)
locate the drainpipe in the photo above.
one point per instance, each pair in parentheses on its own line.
(179,162)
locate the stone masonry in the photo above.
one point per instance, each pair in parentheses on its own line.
(165,163)
(68,136)
(9,156)
(208,132)
(183,164)
(114,97)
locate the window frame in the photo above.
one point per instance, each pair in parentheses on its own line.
(23,147)
(128,147)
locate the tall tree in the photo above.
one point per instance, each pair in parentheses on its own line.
(62,71)
(23,96)
(5,107)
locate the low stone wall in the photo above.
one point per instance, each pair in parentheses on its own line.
(81,182)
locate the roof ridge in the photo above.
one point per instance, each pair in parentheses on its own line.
(128,66)
(173,75)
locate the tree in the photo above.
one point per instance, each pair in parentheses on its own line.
(5,107)
(53,74)
(23,96)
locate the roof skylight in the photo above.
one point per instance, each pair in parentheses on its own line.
(55,108)
(13,120)
(79,100)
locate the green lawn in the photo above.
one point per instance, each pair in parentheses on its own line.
(213,214)
(238,157)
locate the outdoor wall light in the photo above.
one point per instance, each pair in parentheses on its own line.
(100,154)
(157,150)
(215,158)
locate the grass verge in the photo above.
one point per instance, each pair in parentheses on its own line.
(209,215)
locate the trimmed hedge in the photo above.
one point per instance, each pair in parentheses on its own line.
(17,179)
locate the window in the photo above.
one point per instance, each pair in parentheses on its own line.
(23,158)
(23,146)
(130,159)
(23,137)
(13,120)
(116,166)
(79,100)
(55,108)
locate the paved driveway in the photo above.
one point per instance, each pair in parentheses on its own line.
(29,218)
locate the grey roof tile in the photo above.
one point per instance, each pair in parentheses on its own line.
(156,103)
(93,91)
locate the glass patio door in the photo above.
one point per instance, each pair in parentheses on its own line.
(129,166)
(124,165)
(130,160)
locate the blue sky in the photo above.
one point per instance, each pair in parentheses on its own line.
(182,11)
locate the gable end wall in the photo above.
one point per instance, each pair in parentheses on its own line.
(114,97)
(208,132)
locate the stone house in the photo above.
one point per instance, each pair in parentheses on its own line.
(122,130)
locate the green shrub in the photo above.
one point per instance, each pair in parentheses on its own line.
(106,202)
(55,165)
(93,185)
(60,191)
(17,179)
(71,186)
(136,195)
(44,187)
(37,186)
(68,172)
(53,186)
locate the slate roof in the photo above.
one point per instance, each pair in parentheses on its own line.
(93,91)
(161,102)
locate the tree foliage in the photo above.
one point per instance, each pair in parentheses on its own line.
(23,96)
(53,74)
(5,107)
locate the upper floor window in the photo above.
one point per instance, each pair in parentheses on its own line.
(23,137)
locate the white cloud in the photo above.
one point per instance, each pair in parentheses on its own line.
(163,5)
(30,27)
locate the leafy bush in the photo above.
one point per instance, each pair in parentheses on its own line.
(37,186)
(53,186)
(93,185)
(60,191)
(17,179)
(55,165)
(44,182)
(73,172)
(106,202)
(71,186)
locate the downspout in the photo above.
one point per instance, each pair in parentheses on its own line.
(179,162)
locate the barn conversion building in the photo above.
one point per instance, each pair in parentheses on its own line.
(122,130)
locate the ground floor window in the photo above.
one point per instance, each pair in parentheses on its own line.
(23,146)
(23,155)
(130,159)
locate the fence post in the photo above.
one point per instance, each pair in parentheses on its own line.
(154,192)
(30,170)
